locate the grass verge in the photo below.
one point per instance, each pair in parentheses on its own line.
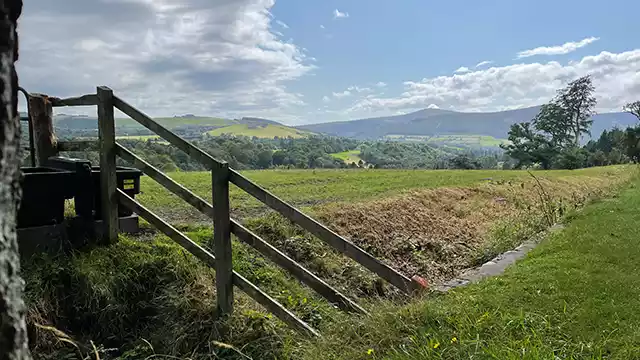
(574,297)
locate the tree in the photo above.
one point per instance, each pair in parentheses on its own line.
(577,103)
(265,159)
(527,146)
(13,334)
(633,109)
(464,162)
(556,129)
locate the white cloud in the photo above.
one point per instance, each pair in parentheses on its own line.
(462,70)
(433,106)
(616,77)
(483,63)
(559,49)
(337,14)
(218,57)
(342,94)
(381,84)
(359,89)
(322,27)
(283,24)
(326,99)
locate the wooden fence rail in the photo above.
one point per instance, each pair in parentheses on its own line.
(224,225)
(245,235)
(196,250)
(336,241)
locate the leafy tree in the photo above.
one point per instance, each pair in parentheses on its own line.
(571,158)
(465,162)
(556,130)
(577,103)
(598,158)
(265,159)
(633,108)
(528,146)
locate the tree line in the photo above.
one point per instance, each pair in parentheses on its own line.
(552,140)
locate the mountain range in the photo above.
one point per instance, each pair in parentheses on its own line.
(427,123)
(437,122)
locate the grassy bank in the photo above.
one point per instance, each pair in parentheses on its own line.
(310,188)
(144,296)
(574,297)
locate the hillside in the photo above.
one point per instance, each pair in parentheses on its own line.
(268,130)
(436,122)
(82,122)
(247,126)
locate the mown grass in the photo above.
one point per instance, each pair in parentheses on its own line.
(309,188)
(268,131)
(577,296)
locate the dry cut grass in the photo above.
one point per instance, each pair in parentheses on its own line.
(435,233)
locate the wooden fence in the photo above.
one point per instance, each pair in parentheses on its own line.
(218,210)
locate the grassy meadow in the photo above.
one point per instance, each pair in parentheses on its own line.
(309,188)
(145,297)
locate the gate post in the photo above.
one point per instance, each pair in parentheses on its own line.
(222,239)
(108,180)
(41,122)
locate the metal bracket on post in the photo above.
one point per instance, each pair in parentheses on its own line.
(108,180)
(222,240)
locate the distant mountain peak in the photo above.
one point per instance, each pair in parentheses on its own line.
(431,122)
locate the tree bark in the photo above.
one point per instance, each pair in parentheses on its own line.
(13,334)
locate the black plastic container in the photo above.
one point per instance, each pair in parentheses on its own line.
(44,191)
(128,181)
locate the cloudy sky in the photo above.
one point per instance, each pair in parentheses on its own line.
(304,61)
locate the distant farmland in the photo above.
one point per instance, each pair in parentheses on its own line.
(260,131)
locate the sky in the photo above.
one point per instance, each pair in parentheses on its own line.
(309,61)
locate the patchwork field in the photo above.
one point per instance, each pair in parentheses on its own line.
(261,131)
(453,140)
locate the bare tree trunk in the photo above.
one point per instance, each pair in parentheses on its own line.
(13,334)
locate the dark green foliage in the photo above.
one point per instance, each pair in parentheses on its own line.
(552,138)
(395,155)
(465,162)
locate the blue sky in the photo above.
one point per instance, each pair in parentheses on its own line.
(310,61)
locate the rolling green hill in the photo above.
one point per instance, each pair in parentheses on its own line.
(260,130)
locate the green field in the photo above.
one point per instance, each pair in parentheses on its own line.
(266,131)
(349,156)
(453,140)
(148,297)
(307,188)
(138,137)
(577,296)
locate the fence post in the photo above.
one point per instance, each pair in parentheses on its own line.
(41,123)
(222,239)
(108,180)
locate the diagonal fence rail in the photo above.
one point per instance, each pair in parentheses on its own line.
(218,211)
